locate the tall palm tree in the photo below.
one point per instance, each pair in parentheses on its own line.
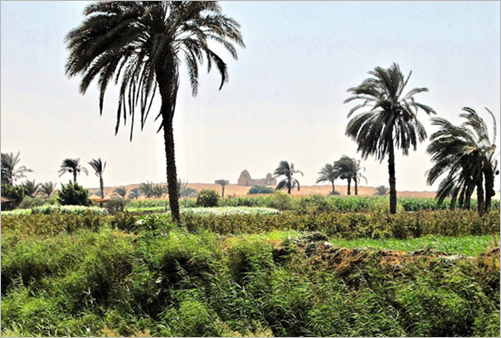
(73,167)
(328,174)
(466,154)
(390,120)
(48,189)
(10,170)
(142,44)
(31,188)
(99,167)
(223,184)
(287,170)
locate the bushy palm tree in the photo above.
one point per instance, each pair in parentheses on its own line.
(10,170)
(48,189)
(381,191)
(73,167)
(289,182)
(142,44)
(31,188)
(466,155)
(120,191)
(348,168)
(328,174)
(223,184)
(99,167)
(389,121)
(134,193)
(150,189)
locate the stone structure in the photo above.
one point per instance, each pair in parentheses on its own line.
(245,179)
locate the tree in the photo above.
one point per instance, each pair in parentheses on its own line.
(31,188)
(390,123)
(142,44)
(466,154)
(120,191)
(381,191)
(223,184)
(72,166)
(349,169)
(48,189)
(73,194)
(328,174)
(10,170)
(289,183)
(134,193)
(99,167)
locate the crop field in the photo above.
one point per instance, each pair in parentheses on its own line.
(254,266)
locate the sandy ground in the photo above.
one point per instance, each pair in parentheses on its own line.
(306,190)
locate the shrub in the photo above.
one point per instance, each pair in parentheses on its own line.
(73,194)
(14,192)
(208,198)
(30,202)
(281,201)
(260,189)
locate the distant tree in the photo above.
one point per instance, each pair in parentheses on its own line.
(159,190)
(390,120)
(99,167)
(184,191)
(31,188)
(142,43)
(134,193)
(260,189)
(120,191)
(328,174)
(48,189)
(146,189)
(287,170)
(381,191)
(10,170)
(466,154)
(223,184)
(73,194)
(73,167)
(15,193)
(208,198)
(349,169)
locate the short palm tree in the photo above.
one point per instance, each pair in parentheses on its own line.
(223,184)
(10,170)
(289,182)
(466,154)
(142,44)
(73,167)
(348,168)
(328,174)
(99,167)
(31,188)
(390,120)
(146,189)
(48,189)
(381,191)
(120,191)
(134,193)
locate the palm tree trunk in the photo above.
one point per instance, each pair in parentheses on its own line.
(356,187)
(222,193)
(171,171)
(489,188)
(392,178)
(480,194)
(74,177)
(349,186)
(333,187)
(101,185)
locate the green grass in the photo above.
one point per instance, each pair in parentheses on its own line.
(467,245)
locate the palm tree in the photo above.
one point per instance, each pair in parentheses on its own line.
(284,169)
(142,43)
(48,189)
(390,122)
(146,189)
(134,193)
(99,167)
(328,174)
(223,184)
(31,188)
(120,191)
(72,166)
(467,155)
(381,191)
(349,169)
(10,171)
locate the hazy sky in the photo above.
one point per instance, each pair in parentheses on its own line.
(284,99)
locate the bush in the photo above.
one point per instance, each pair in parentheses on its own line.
(73,194)
(281,201)
(208,198)
(30,202)
(13,192)
(260,189)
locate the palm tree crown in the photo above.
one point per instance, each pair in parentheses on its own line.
(140,46)
(48,189)
(72,166)
(10,171)
(328,174)
(389,120)
(31,188)
(348,168)
(289,182)
(99,167)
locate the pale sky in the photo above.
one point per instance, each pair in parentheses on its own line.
(284,99)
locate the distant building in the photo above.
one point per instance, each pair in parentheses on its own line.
(245,179)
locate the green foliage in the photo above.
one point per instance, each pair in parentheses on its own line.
(260,189)
(207,198)
(30,202)
(73,194)
(16,193)
(281,201)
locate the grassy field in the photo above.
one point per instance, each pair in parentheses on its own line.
(309,271)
